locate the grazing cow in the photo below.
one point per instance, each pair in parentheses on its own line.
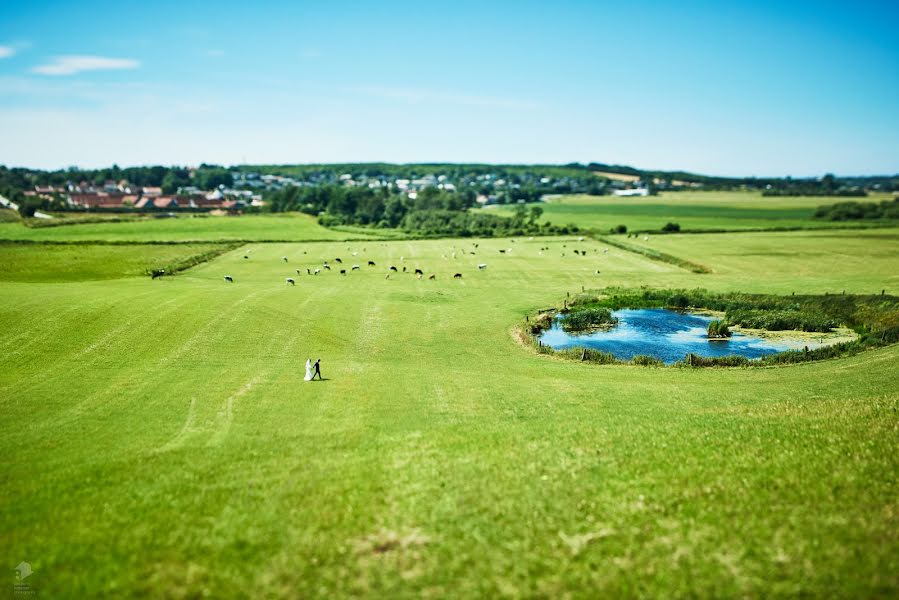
(432,277)
(355,267)
(418,277)
(392,268)
(284,258)
(482,266)
(298,271)
(402,258)
(475,245)
(245,256)
(158,273)
(338,260)
(419,272)
(502,251)
(355,253)
(606,251)
(457,276)
(308,272)
(290,281)
(597,271)
(229,279)
(404,269)
(576,251)
(343,271)
(387,276)
(316,272)
(326,266)
(580,239)
(371,263)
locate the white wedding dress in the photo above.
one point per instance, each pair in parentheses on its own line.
(308,376)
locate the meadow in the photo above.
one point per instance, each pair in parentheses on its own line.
(695,211)
(160,440)
(203,228)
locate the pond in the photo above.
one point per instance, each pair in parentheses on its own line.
(664,334)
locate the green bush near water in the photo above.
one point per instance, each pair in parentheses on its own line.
(587,318)
(718,329)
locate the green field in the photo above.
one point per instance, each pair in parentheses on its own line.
(691,210)
(293,227)
(86,262)
(160,440)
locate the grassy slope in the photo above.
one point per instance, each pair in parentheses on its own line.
(247,227)
(62,263)
(800,261)
(692,210)
(161,439)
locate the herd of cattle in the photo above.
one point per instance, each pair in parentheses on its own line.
(419,273)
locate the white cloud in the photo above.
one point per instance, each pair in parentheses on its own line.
(7,51)
(70,65)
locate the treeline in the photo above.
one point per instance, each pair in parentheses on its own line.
(205,177)
(859,211)
(828,185)
(431,212)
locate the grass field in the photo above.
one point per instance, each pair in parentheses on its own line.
(293,227)
(160,440)
(859,261)
(691,210)
(86,262)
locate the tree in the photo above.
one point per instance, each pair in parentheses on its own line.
(536,213)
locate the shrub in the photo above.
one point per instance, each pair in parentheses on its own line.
(588,355)
(671,227)
(718,329)
(619,229)
(733,360)
(647,361)
(585,319)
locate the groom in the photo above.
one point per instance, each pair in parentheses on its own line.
(317,371)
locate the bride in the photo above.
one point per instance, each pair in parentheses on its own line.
(308,376)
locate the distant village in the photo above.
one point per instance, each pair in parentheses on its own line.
(123,195)
(248,190)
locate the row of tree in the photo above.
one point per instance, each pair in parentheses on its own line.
(431,212)
(859,211)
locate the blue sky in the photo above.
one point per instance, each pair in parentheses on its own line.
(731,88)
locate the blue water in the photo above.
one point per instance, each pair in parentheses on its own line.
(665,334)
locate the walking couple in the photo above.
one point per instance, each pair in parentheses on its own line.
(312,370)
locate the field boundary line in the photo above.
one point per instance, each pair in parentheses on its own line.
(655,255)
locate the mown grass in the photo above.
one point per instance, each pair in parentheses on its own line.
(285,227)
(829,261)
(58,263)
(690,210)
(160,440)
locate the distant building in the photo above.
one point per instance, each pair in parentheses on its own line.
(632,192)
